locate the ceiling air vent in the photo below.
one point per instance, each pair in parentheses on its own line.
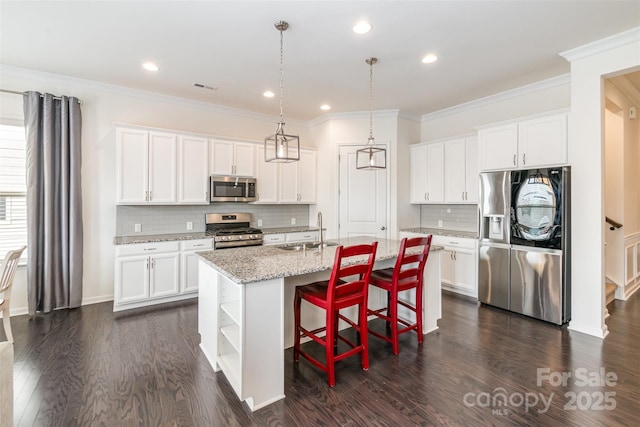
(201,86)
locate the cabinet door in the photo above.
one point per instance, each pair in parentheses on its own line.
(465,271)
(455,170)
(244,159)
(189,263)
(418,183)
(162,168)
(288,184)
(132,279)
(447,267)
(193,170)
(498,147)
(132,166)
(435,173)
(163,275)
(267,179)
(221,157)
(543,141)
(472,174)
(307,177)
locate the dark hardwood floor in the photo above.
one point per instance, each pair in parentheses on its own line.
(92,367)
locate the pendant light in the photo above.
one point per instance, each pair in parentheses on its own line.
(281,147)
(371,157)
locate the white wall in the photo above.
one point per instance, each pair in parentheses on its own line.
(589,64)
(547,95)
(102,107)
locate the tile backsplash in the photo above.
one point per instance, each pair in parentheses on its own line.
(173,219)
(453,217)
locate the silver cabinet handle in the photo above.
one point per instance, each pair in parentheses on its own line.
(514,160)
(425,196)
(197,246)
(146,196)
(150,249)
(523,159)
(150,195)
(463,195)
(147,267)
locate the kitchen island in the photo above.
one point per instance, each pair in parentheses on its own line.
(245,308)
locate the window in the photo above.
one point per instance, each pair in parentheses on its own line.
(13,189)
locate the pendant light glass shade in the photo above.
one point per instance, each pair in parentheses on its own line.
(281,147)
(371,157)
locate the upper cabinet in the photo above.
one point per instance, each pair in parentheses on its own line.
(461,170)
(297,180)
(232,158)
(540,141)
(266,179)
(146,167)
(193,170)
(427,173)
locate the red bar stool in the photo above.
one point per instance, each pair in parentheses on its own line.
(407,274)
(340,291)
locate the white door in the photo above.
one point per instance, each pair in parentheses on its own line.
(163,162)
(244,159)
(307,176)
(193,170)
(363,198)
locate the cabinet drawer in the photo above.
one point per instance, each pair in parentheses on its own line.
(307,236)
(196,245)
(147,248)
(454,242)
(272,239)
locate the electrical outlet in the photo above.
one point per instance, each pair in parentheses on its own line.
(138,228)
(293,221)
(259,223)
(440,223)
(189,225)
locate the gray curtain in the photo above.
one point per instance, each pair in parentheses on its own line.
(54,202)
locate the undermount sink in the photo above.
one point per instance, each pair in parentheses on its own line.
(304,246)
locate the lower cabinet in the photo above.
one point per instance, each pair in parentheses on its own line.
(154,273)
(458,264)
(298,236)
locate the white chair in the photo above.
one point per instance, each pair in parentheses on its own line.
(8,272)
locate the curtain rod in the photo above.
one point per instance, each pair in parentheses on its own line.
(15,92)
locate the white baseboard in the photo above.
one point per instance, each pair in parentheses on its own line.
(19,311)
(589,330)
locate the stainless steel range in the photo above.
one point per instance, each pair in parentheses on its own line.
(232,230)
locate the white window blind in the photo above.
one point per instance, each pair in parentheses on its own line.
(13,190)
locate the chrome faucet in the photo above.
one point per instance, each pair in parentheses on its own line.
(320,227)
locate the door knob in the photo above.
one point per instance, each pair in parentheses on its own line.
(383,228)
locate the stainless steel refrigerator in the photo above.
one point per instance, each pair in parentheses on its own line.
(524,254)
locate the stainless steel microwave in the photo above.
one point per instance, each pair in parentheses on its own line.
(232,189)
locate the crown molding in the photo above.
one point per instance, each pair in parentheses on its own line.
(75,82)
(354,115)
(602,45)
(564,79)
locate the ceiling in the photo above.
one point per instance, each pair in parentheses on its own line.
(485,47)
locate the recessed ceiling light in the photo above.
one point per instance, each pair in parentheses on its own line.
(325,107)
(150,66)
(428,59)
(269,94)
(362,27)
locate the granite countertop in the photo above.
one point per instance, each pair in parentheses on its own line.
(153,238)
(442,232)
(257,263)
(292,229)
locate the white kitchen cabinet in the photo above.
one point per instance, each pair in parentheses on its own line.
(193,170)
(418,182)
(461,170)
(266,178)
(146,167)
(189,263)
(145,272)
(232,158)
(458,264)
(153,273)
(293,237)
(297,180)
(536,142)
(427,173)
